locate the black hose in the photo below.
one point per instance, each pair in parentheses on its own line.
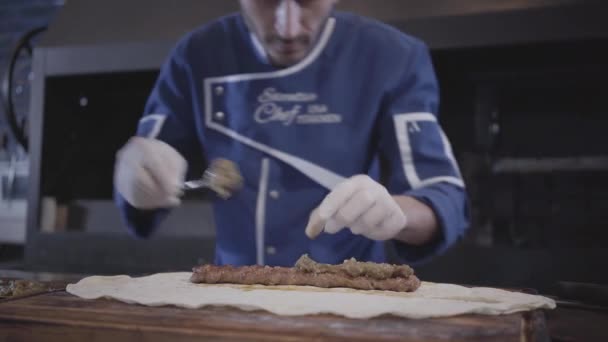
(7,86)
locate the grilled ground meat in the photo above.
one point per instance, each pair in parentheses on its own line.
(14,288)
(355,268)
(266,275)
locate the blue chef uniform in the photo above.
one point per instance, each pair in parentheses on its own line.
(366,91)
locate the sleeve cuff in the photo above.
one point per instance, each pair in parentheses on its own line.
(140,223)
(449,203)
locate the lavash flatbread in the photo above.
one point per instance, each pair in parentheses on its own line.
(430,300)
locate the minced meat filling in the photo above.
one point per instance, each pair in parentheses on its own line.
(355,268)
(350,274)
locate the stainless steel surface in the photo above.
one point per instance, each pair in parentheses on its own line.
(13,185)
(527,165)
(585,293)
(203,182)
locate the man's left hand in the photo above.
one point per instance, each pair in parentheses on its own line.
(361,204)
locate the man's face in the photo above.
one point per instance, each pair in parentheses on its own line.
(287,29)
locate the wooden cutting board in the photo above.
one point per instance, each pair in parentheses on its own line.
(60,316)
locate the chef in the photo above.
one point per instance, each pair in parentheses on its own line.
(311,103)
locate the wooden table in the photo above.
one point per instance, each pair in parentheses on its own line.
(60,316)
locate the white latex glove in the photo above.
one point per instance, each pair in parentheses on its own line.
(149,173)
(363,205)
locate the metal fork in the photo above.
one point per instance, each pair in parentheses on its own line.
(222,176)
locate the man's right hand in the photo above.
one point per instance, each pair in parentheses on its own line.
(149,173)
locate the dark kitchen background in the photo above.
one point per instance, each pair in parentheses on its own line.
(523,86)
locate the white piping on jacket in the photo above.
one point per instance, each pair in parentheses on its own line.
(401,121)
(324,177)
(258,47)
(159,120)
(260,212)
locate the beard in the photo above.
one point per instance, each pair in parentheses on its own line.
(285,51)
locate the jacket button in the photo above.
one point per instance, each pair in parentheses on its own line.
(219,115)
(274,194)
(219,90)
